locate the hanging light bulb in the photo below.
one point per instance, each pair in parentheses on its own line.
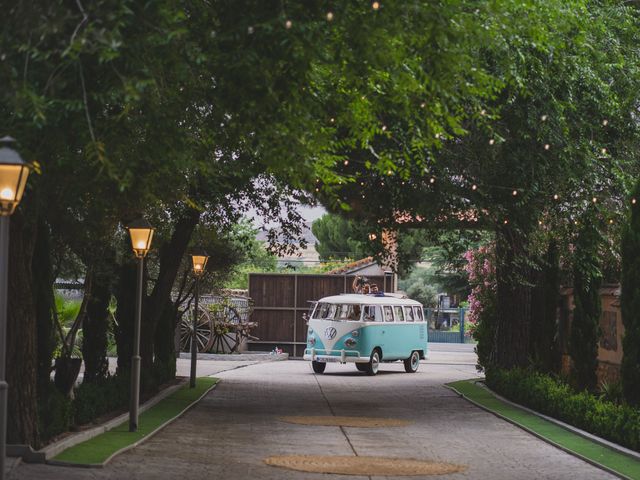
(544,118)
(633,201)
(492,141)
(372,236)
(288,24)
(474,187)
(611,221)
(422,105)
(514,193)
(483,112)
(539,222)
(346,162)
(329,16)
(375,5)
(594,199)
(432,180)
(384,128)
(604,151)
(556,196)
(547,146)
(605,122)
(250,30)
(505,221)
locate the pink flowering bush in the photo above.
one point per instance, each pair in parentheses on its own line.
(481,270)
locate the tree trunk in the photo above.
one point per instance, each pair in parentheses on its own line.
(126,298)
(171,254)
(96,322)
(42,272)
(22,418)
(514,295)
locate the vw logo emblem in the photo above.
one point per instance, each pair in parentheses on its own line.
(330,333)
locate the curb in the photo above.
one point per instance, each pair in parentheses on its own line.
(541,437)
(142,440)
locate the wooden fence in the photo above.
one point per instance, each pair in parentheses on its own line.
(281,300)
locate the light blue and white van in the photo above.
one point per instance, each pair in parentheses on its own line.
(366,330)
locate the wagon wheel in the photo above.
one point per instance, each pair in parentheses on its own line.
(224,334)
(204,329)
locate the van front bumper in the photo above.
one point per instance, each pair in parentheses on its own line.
(338,356)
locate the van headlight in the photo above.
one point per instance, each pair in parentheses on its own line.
(312,340)
(350,342)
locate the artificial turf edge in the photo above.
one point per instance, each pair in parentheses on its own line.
(100,449)
(591,451)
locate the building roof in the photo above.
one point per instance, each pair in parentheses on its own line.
(353,267)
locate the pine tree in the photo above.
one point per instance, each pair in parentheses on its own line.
(585,326)
(630,304)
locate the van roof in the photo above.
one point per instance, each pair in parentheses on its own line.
(370,299)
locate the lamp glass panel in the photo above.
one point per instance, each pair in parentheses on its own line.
(141,238)
(11,184)
(199,262)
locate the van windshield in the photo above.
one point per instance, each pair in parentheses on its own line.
(339,311)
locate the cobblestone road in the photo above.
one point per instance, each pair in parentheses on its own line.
(237,425)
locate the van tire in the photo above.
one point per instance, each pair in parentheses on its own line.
(318,367)
(362,367)
(374,362)
(412,363)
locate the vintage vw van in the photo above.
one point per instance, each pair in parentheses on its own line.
(366,330)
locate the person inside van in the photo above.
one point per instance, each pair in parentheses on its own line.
(355,313)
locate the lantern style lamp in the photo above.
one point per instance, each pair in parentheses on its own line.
(199,260)
(141,233)
(13,178)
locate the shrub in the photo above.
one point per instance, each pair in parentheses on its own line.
(54,412)
(551,396)
(95,399)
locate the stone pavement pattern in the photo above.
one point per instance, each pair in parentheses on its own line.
(236,426)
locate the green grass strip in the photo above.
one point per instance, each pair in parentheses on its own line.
(594,451)
(98,449)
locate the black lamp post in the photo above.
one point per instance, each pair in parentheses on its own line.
(141,233)
(199,259)
(13,178)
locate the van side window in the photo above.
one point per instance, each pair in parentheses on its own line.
(388,314)
(408,314)
(418,314)
(399,314)
(372,314)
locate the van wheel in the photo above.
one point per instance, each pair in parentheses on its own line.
(362,367)
(318,367)
(412,363)
(374,363)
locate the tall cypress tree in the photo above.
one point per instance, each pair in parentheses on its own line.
(585,326)
(630,303)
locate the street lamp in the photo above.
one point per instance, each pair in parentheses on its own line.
(199,259)
(141,233)
(13,178)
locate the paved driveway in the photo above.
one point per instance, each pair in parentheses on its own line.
(235,427)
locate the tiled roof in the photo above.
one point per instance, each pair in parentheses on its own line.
(351,266)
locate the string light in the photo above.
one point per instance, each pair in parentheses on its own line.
(539,222)
(437,135)
(288,24)
(375,5)
(362,196)
(362,184)
(432,180)
(317,189)
(329,16)
(611,221)
(594,200)
(483,112)
(389,172)
(604,151)
(505,221)
(605,122)
(547,146)
(556,196)
(544,118)
(514,193)
(372,236)
(384,128)
(332,120)
(492,141)
(633,201)
(422,105)
(250,30)
(474,187)
(346,162)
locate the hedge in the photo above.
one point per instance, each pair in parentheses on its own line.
(550,396)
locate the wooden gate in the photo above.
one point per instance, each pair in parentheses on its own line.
(282,298)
